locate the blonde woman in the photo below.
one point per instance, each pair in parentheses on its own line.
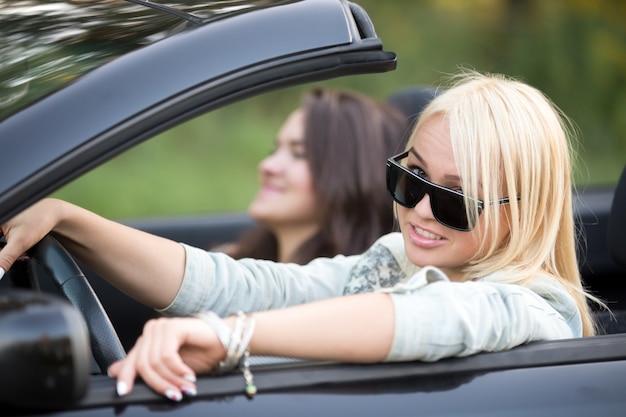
(484,261)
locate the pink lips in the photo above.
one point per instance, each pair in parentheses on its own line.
(422,240)
(270,189)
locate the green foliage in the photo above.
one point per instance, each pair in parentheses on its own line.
(575,51)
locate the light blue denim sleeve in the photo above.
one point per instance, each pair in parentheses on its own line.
(215,281)
(436,318)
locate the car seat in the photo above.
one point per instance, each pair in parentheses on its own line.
(616,233)
(615,321)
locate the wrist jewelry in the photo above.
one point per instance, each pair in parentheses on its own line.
(235,342)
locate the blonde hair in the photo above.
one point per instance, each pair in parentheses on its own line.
(509,137)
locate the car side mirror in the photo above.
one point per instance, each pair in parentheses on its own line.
(44,351)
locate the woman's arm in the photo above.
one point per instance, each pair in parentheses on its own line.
(357,328)
(170,352)
(146,267)
(430,321)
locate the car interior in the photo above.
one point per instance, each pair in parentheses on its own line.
(615,320)
(603,257)
(89,84)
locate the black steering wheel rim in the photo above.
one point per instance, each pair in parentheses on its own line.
(70,280)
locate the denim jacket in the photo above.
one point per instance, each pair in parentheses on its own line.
(434,317)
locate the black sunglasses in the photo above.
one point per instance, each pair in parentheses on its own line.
(448,206)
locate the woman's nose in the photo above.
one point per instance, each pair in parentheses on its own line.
(424,208)
(273,163)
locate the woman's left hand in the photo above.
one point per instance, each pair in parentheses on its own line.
(168,355)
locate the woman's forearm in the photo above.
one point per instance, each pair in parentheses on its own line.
(358,328)
(146,267)
(170,352)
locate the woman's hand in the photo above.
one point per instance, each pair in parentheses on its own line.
(168,355)
(27,228)
(147,267)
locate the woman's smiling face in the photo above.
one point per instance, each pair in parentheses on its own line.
(428,242)
(287,198)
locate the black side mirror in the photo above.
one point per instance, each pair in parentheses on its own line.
(44,351)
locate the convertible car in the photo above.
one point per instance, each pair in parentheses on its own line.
(81,82)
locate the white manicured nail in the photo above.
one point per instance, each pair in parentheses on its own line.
(173,395)
(189,391)
(190,377)
(1,273)
(122,388)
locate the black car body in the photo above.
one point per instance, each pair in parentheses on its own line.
(128,94)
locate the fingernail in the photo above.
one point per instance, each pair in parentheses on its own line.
(173,395)
(190,377)
(122,388)
(1,273)
(189,391)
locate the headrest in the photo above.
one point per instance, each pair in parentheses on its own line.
(616,233)
(411,101)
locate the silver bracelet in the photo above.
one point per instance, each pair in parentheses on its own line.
(244,363)
(224,334)
(221,329)
(232,350)
(250,389)
(235,343)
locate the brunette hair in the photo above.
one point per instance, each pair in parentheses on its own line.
(347,138)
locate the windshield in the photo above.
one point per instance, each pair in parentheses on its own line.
(47,44)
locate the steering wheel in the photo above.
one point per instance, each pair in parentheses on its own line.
(68,277)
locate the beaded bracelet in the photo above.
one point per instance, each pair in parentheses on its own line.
(235,342)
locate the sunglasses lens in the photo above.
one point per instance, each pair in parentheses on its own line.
(449,209)
(407,190)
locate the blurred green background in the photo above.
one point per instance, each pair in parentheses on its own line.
(575,51)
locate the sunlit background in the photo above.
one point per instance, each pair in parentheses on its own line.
(574,50)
